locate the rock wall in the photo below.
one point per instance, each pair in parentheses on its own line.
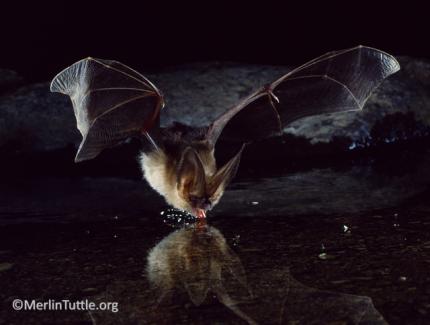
(34,120)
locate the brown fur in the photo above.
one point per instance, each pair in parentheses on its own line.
(186,173)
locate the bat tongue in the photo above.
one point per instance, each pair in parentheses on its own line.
(200,213)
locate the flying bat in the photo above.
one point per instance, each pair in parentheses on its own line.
(113,102)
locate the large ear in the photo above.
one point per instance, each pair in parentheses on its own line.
(224,175)
(191,174)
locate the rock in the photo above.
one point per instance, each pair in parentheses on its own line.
(353,191)
(402,99)
(33,119)
(325,192)
(196,94)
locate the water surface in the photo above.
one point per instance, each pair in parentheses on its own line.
(338,246)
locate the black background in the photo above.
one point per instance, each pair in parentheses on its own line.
(39,40)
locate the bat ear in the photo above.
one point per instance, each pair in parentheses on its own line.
(224,176)
(191,174)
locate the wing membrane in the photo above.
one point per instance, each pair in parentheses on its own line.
(334,82)
(111,103)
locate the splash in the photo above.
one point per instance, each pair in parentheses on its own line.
(176,218)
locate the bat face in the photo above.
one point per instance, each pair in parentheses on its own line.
(189,182)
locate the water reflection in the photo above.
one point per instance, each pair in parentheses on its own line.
(193,276)
(198,261)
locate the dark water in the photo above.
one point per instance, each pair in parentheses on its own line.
(331,246)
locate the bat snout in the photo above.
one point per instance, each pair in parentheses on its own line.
(200,213)
(204,205)
(200,207)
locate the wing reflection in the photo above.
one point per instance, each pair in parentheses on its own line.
(192,276)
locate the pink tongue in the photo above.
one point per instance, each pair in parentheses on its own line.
(201,213)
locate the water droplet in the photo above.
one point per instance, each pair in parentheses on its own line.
(236,240)
(352,146)
(177,218)
(325,256)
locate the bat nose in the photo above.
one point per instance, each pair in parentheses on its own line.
(206,205)
(202,203)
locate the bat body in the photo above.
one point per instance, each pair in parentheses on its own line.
(182,170)
(113,102)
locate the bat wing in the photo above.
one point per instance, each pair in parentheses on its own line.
(111,101)
(334,82)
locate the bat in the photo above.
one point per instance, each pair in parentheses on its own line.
(112,102)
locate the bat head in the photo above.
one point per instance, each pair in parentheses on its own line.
(199,190)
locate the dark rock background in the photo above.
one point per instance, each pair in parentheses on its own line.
(34,120)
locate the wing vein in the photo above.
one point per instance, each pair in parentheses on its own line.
(122,72)
(331,79)
(319,59)
(89,92)
(118,105)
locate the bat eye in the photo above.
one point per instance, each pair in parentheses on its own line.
(200,202)
(208,204)
(194,199)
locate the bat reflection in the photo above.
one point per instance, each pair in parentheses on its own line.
(194,277)
(197,260)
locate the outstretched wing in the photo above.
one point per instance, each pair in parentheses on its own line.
(111,103)
(334,82)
